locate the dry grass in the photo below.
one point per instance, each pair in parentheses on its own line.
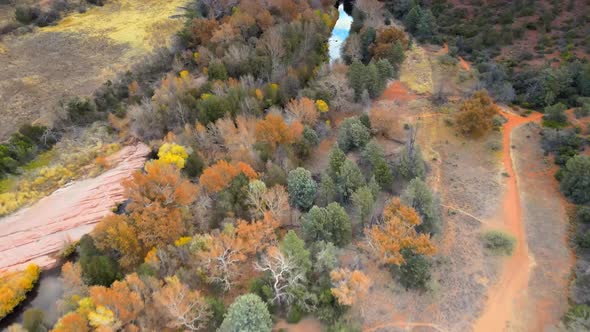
(77,55)
(416,71)
(144,25)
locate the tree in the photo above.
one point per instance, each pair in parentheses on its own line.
(283,273)
(575,180)
(426,26)
(336,160)
(72,321)
(274,131)
(222,254)
(294,247)
(352,134)
(183,307)
(373,153)
(411,164)
(349,286)
(476,114)
(34,320)
(97,268)
(363,202)
(555,113)
(159,183)
(419,196)
(356,78)
(115,233)
(304,110)
(327,191)
(173,154)
(302,188)
(397,232)
(247,314)
(326,258)
(233,200)
(351,178)
(218,176)
(330,224)
(124,303)
(415,271)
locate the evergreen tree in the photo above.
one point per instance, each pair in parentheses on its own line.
(248,313)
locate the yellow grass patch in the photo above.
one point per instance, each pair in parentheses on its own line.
(143,24)
(416,71)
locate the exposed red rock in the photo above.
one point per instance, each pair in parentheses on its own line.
(37,233)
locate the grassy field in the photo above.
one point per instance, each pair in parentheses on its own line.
(77,55)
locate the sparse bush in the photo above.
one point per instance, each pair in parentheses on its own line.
(499,243)
(583,240)
(577,318)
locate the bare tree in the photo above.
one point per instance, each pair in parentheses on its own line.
(373,9)
(284,274)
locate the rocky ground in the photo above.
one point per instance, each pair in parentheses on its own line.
(37,233)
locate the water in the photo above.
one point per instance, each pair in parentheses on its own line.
(339,33)
(44,297)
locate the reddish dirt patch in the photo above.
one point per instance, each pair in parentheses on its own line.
(506,295)
(397,91)
(464,64)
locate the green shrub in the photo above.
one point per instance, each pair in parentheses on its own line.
(302,188)
(34,320)
(415,271)
(247,314)
(575,179)
(499,242)
(294,315)
(578,318)
(26,14)
(194,165)
(583,240)
(583,214)
(352,134)
(81,111)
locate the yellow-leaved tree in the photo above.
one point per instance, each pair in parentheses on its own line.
(173,154)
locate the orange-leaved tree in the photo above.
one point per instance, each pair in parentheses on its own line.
(304,110)
(397,232)
(273,130)
(218,176)
(223,254)
(349,286)
(475,117)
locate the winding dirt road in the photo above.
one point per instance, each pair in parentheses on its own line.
(509,292)
(37,233)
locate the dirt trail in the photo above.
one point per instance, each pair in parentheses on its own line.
(35,234)
(464,64)
(507,294)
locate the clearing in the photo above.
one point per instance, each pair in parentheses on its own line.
(77,55)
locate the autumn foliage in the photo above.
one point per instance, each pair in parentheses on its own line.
(14,287)
(274,131)
(224,254)
(476,115)
(304,110)
(397,232)
(349,286)
(217,177)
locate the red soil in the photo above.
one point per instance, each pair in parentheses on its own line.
(397,91)
(506,295)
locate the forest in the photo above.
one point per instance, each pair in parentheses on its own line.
(272,193)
